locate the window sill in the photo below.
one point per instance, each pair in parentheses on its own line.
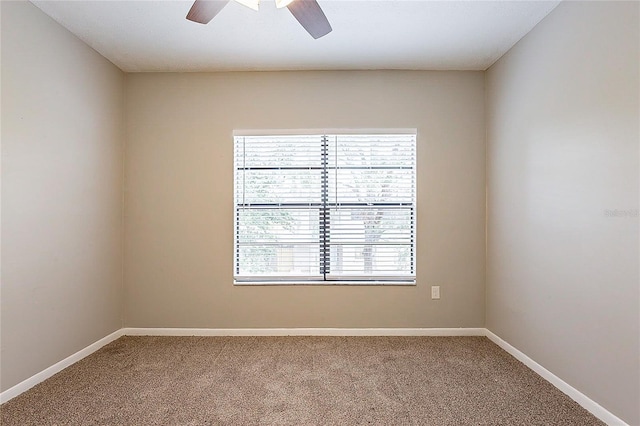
(325,283)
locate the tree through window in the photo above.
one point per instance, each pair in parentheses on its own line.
(331,208)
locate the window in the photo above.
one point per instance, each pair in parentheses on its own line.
(325,208)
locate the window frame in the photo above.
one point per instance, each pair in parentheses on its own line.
(322,279)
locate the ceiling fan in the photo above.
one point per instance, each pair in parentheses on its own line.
(307,12)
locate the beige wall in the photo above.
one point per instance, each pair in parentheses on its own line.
(62,138)
(179,205)
(562,126)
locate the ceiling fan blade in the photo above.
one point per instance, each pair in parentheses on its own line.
(204,11)
(311,17)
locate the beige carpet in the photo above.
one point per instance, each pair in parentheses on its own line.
(296,381)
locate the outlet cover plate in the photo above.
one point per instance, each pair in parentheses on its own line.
(435,292)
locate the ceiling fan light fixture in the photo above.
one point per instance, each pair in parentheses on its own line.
(283,3)
(251,4)
(307,12)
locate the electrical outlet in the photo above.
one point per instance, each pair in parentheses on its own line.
(435,292)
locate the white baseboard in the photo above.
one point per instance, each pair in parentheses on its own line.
(304,331)
(586,402)
(27,384)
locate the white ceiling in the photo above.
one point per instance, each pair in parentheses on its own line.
(153,35)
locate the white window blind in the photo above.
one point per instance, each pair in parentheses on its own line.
(325,208)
